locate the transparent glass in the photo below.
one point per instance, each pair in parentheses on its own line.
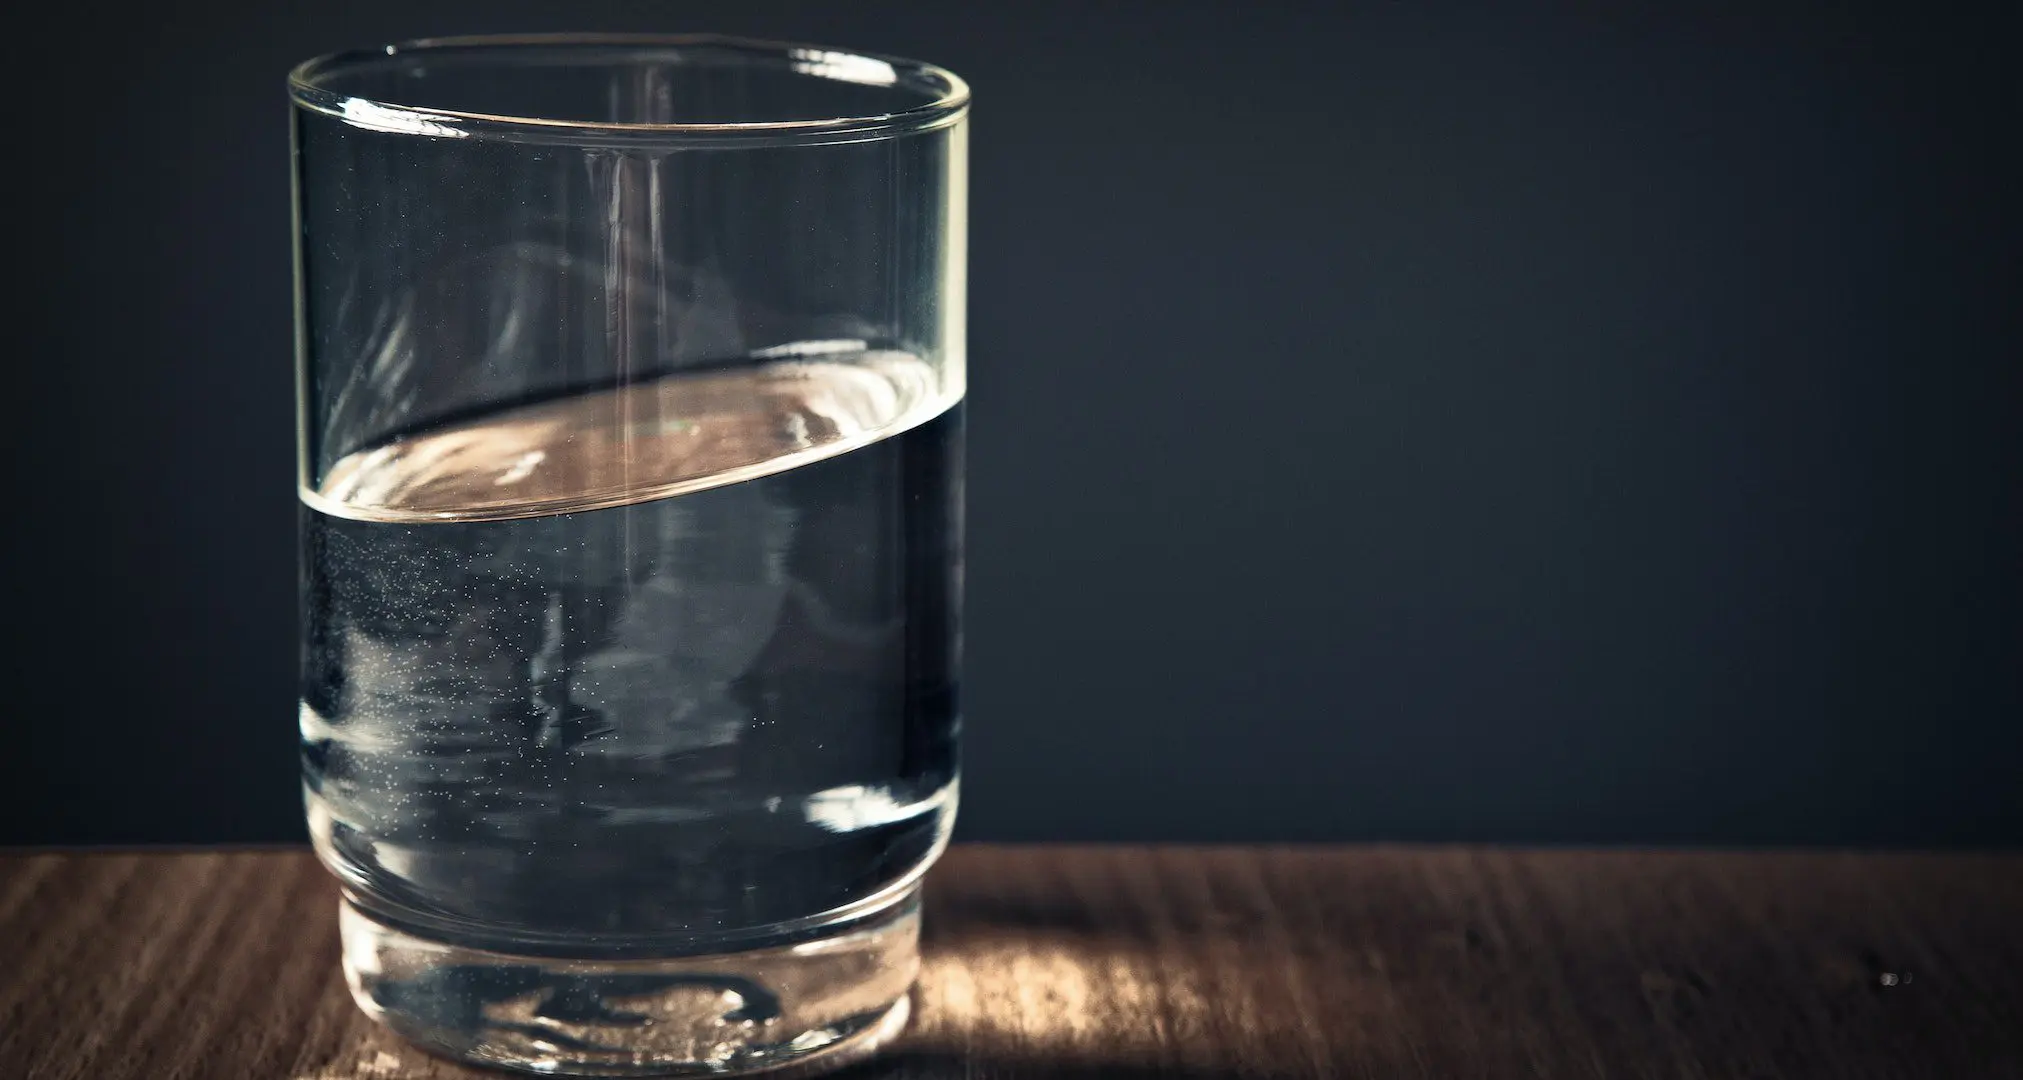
(631,373)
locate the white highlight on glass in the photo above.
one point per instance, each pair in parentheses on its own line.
(372,116)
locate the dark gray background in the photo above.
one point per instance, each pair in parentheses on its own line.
(1452,422)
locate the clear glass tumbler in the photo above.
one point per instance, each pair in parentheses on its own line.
(631,373)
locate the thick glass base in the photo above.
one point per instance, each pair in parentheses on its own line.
(821,1001)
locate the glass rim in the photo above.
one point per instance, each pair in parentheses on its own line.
(947,105)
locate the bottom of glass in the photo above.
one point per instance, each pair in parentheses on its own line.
(812,1005)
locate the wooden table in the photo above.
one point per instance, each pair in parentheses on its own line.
(1137,962)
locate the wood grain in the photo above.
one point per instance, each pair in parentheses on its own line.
(1141,962)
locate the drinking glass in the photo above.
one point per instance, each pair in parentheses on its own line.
(631,377)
